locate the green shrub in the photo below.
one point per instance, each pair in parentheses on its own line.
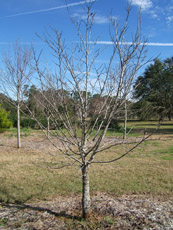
(27,123)
(114,125)
(5,123)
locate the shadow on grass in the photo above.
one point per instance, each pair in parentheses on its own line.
(6,197)
(151,130)
(57,214)
(10,201)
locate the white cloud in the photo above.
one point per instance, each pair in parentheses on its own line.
(98,19)
(170,19)
(153,14)
(144,4)
(101,19)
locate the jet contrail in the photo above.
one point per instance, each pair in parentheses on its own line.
(130,43)
(49,9)
(22,43)
(99,43)
(158,44)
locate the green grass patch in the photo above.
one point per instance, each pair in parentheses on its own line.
(166,127)
(167,154)
(25,132)
(3,221)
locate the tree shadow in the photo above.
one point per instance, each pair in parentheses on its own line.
(163,131)
(11,201)
(41,209)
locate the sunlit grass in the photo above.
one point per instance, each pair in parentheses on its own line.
(148,169)
(134,128)
(149,124)
(13,132)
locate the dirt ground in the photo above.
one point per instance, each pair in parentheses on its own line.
(108,212)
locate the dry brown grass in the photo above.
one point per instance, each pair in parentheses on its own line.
(148,170)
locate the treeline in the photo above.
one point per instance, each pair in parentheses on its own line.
(42,105)
(152,99)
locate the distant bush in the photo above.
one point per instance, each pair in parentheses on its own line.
(5,123)
(114,125)
(28,123)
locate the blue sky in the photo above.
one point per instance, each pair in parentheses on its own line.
(21,19)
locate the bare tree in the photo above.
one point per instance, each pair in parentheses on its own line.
(81,136)
(15,74)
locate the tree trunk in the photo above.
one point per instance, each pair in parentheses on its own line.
(169,115)
(18,126)
(86,202)
(125,120)
(48,126)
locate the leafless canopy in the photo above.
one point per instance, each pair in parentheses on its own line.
(81,122)
(16,71)
(82,97)
(14,77)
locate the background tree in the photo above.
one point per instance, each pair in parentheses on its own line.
(5,123)
(80,140)
(8,104)
(168,86)
(154,90)
(14,76)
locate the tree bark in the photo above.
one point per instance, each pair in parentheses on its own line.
(125,120)
(48,126)
(169,115)
(86,202)
(18,126)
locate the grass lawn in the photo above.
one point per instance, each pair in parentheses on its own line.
(165,127)
(147,170)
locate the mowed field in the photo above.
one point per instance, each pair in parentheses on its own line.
(25,177)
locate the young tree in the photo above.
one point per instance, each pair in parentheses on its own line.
(14,76)
(111,83)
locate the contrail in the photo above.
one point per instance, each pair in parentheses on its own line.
(130,43)
(99,43)
(22,43)
(158,44)
(49,9)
